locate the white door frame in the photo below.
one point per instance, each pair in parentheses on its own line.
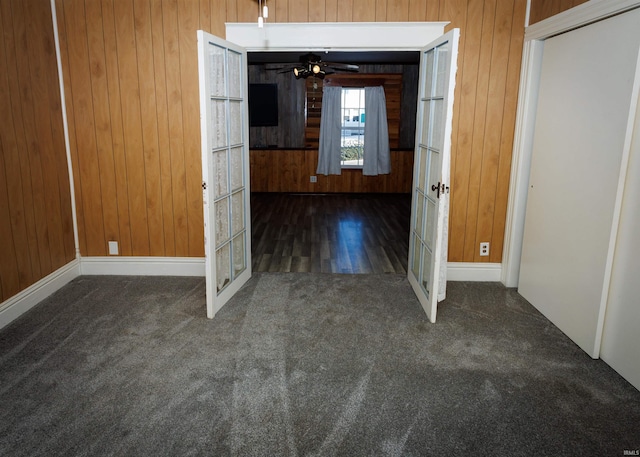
(334,36)
(535,35)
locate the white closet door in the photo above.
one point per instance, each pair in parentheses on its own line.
(583,110)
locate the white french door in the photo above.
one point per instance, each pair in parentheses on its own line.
(225,167)
(430,193)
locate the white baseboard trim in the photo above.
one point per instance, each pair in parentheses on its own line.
(22,302)
(476,272)
(142,266)
(172,266)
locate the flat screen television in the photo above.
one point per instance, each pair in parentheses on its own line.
(263,105)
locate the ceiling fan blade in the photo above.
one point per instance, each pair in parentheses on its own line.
(342,66)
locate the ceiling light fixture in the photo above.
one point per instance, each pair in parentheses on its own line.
(311,70)
(263,13)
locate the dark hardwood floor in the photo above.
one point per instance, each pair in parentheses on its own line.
(331,233)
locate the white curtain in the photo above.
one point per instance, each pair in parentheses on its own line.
(330,132)
(376,159)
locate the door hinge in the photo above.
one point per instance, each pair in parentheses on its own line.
(204,185)
(440,188)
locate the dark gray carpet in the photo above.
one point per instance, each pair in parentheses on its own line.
(302,364)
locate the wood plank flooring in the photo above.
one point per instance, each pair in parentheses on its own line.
(330,233)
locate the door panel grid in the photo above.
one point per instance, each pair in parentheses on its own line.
(430,198)
(224,126)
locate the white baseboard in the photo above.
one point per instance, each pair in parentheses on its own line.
(25,300)
(476,272)
(172,266)
(194,266)
(142,266)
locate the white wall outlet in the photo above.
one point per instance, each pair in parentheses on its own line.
(313,179)
(113,248)
(484,249)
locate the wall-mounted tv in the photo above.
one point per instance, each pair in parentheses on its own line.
(263,105)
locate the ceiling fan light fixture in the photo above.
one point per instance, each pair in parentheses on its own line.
(300,72)
(315,69)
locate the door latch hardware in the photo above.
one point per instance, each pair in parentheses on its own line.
(439,188)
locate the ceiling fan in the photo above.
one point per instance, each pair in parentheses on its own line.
(312,65)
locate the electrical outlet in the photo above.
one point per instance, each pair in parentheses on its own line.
(113,248)
(484,249)
(313,179)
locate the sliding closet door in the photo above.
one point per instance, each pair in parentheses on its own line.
(583,110)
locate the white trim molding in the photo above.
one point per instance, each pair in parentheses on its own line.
(65,125)
(143,266)
(334,36)
(22,302)
(474,272)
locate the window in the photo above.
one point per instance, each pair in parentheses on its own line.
(352,132)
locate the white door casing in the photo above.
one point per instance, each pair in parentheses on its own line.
(224,125)
(427,264)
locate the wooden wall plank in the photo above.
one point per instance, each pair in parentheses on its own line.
(82,104)
(281,9)
(131,122)
(46,96)
(544,9)
(15,270)
(232,11)
(9,267)
(187,25)
(317,11)
(219,16)
(248,10)
(149,124)
(493,126)
(13,141)
(479,125)
(456,10)
(277,170)
(117,132)
(417,10)
(345,11)
(508,130)
(101,114)
(175,125)
(433,10)
(298,11)
(164,151)
(398,10)
(36,230)
(364,11)
(381,10)
(463,137)
(331,11)
(29,106)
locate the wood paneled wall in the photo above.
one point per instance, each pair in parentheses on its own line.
(543,9)
(131,76)
(36,226)
(281,170)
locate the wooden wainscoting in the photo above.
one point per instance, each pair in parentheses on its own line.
(289,170)
(130,70)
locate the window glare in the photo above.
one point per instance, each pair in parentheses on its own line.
(353,118)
